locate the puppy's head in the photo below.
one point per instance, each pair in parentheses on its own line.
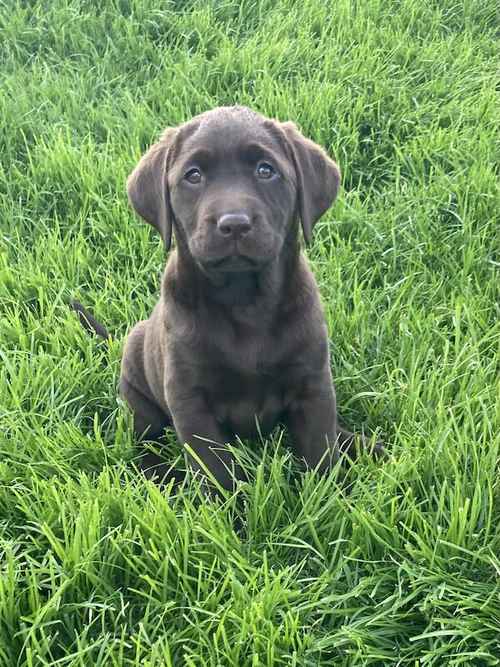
(232,184)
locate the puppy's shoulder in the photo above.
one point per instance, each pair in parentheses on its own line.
(302,295)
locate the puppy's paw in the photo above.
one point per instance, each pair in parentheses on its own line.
(377,450)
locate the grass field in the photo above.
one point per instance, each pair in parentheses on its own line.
(98,567)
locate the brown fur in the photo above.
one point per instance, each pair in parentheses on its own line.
(238,335)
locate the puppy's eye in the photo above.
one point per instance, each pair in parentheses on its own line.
(193,176)
(265,170)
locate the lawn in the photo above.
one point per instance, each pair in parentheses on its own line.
(101,568)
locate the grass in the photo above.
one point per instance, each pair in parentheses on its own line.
(98,567)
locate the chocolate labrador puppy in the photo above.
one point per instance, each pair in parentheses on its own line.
(237,342)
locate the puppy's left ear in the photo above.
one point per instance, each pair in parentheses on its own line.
(318,177)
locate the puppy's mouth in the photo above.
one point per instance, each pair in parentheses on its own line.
(232,264)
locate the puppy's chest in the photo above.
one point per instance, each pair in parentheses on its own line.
(250,386)
(250,349)
(246,404)
(249,374)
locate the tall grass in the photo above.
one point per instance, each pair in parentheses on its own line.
(98,566)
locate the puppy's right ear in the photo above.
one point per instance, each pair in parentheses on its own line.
(147,187)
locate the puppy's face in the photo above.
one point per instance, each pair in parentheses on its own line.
(232,184)
(233,191)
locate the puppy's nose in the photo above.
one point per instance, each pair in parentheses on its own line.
(234,225)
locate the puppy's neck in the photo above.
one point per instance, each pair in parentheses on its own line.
(233,289)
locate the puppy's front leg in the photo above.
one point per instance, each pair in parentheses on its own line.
(196,425)
(312,423)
